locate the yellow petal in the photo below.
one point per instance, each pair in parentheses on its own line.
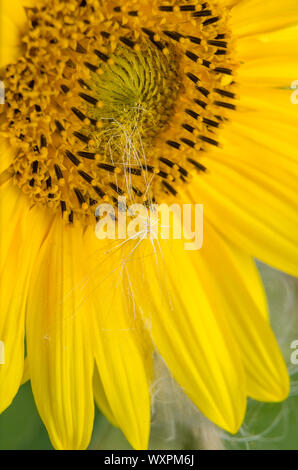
(194,340)
(26,372)
(251,17)
(6,156)
(236,294)
(101,398)
(278,71)
(277,44)
(19,247)
(58,327)
(122,350)
(13,26)
(253,215)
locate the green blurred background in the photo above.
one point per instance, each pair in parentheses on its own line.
(267,426)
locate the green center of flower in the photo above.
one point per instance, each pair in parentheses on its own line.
(111,100)
(132,97)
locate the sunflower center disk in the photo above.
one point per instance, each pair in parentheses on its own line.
(110,100)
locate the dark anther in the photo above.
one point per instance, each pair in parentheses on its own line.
(65,89)
(49,182)
(210,122)
(196,164)
(35,166)
(137,191)
(43,141)
(192,113)
(163,174)
(173,144)
(72,158)
(70,64)
(88,98)
(82,137)
(203,90)
(187,8)
(88,155)
(91,67)
(101,55)
(166,162)
(194,39)
(78,113)
(63,206)
(79,195)
(208,140)
(173,35)
(98,191)
(83,84)
(201,103)
(223,70)
(59,126)
(188,127)
(217,43)
(199,14)
(192,56)
(169,188)
(105,166)
(222,104)
(211,21)
(128,42)
(166,8)
(134,171)
(193,77)
(225,93)
(116,189)
(80,49)
(188,142)
(85,175)
(58,172)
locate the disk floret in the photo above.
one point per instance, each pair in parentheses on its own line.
(116,99)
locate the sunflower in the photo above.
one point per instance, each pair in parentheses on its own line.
(160,101)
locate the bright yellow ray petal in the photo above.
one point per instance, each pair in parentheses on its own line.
(29,3)
(59,353)
(19,247)
(26,372)
(255,218)
(13,25)
(277,44)
(101,398)
(276,170)
(265,104)
(125,381)
(193,339)
(122,351)
(280,71)
(6,156)
(251,17)
(236,294)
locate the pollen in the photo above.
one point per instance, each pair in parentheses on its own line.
(114,99)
